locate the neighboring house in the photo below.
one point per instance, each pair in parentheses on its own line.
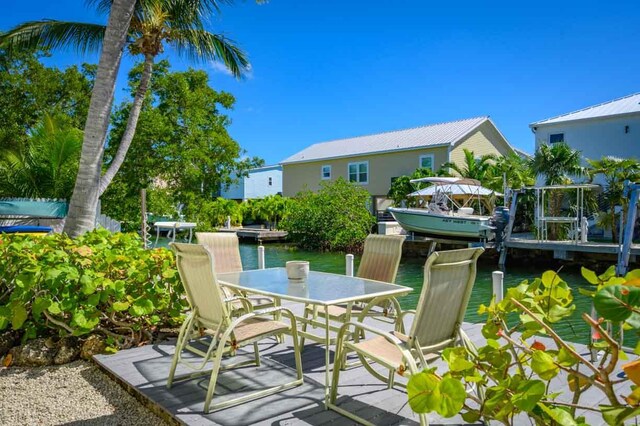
(374,161)
(259,183)
(608,129)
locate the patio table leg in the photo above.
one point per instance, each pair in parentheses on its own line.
(326,358)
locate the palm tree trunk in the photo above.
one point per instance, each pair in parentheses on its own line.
(84,201)
(132,122)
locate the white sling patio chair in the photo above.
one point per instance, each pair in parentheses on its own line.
(210,326)
(380,261)
(448,280)
(225,249)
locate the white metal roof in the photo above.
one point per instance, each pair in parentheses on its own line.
(441,134)
(626,105)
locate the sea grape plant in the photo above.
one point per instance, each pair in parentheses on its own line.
(519,369)
(98,283)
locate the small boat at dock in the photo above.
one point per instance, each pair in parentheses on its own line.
(448,209)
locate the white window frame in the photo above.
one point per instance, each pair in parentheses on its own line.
(322,176)
(270,181)
(358,163)
(433,160)
(553,134)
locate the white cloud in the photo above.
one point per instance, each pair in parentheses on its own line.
(221,68)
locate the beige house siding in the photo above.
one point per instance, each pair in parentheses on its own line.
(382,168)
(484,140)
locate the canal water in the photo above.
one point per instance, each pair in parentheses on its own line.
(410,274)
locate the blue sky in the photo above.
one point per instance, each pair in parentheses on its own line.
(330,69)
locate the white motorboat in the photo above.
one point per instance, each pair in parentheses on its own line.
(447,209)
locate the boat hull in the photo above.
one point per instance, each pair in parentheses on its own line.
(425,222)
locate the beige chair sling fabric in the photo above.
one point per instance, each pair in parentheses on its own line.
(449,277)
(209,325)
(225,249)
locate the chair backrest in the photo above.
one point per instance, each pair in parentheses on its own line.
(448,280)
(381,257)
(195,266)
(225,249)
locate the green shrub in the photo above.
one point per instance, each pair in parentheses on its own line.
(336,218)
(100,282)
(519,373)
(270,209)
(211,214)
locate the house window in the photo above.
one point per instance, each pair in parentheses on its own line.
(326,172)
(426,162)
(556,138)
(359,172)
(270,181)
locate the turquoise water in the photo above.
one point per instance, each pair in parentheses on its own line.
(410,275)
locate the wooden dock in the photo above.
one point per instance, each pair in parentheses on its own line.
(257,234)
(588,247)
(143,371)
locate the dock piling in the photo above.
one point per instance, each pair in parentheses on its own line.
(261,257)
(498,285)
(349,265)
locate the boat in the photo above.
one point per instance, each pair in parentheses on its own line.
(447,209)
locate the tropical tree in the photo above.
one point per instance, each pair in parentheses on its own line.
(516,170)
(557,163)
(46,165)
(401,187)
(155,23)
(615,171)
(480,168)
(30,89)
(181,142)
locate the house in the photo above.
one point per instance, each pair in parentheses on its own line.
(373,161)
(258,183)
(608,129)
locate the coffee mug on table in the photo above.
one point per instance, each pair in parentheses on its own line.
(297,270)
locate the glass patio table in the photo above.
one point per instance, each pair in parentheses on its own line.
(321,289)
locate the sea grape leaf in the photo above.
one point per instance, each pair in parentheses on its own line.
(528,394)
(589,275)
(615,302)
(19,316)
(560,416)
(424,393)
(452,397)
(543,365)
(120,306)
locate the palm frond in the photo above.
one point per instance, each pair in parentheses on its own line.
(54,34)
(199,45)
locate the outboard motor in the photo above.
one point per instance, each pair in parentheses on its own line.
(500,220)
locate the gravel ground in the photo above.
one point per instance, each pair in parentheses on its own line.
(74,394)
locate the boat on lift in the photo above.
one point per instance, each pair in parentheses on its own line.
(448,208)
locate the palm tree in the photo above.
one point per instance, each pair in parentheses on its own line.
(557,163)
(480,169)
(155,23)
(517,171)
(615,172)
(44,167)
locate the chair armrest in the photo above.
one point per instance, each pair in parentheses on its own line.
(362,326)
(261,312)
(400,320)
(246,304)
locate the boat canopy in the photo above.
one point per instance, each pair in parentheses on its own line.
(456,189)
(442,180)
